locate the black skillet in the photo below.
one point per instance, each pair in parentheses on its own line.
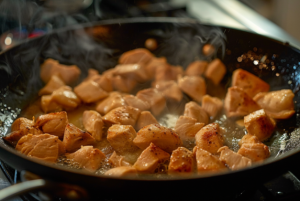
(98,45)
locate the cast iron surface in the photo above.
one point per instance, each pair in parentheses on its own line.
(99,46)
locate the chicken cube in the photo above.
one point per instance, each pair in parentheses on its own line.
(153,64)
(256,151)
(91,73)
(105,82)
(193,86)
(114,100)
(150,159)
(117,160)
(210,138)
(88,158)
(48,105)
(123,84)
(196,68)
(168,72)
(92,122)
(169,89)
(164,138)
(134,101)
(207,162)
(193,110)
(181,161)
(122,171)
(136,56)
(155,99)
(43,146)
(125,115)
(259,124)
(187,127)
(121,138)
(74,138)
(13,137)
(89,92)
(211,105)
(25,126)
(250,83)
(215,71)
(145,119)
(233,160)
(53,123)
(248,139)
(131,71)
(237,103)
(65,97)
(277,104)
(54,83)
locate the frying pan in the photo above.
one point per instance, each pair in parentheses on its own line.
(98,45)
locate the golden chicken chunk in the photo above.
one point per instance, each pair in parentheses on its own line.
(211,105)
(74,138)
(65,97)
(131,71)
(43,146)
(53,123)
(259,124)
(150,159)
(277,104)
(134,101)
(92,122)
(114,100)
(54,83)
(163,137)
(89,92)
(169,89)
(193,86)
(105,82)
(91,73)
(237,103)
(155,99)
(168,72)
(210,138)
(13,137)
(250,83)
(88,158)
(154,64)
(192,109)
(181,161)
(117,160)
(125,115)
(187,127)
(207,162)
(123,84)
(121,138)
(122,171)
(196,68)
(136,56)
(48,105)
(215,71)
(50,67)
(145,119)
(25,126)
(248,139)
(233,160)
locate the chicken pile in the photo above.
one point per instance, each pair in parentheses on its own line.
(129,122)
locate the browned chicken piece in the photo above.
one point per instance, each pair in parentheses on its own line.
(259,124)
(277,104)
(105,82)
(136,56)
(49,105)
(54,83)
(154,64)
(187,127)
(74,138)
(207,162)
(250,83)
(91,74)
(194,86)
(121,138)
(134,101)
(92,122)
(145,119)
(163,137)
(215,71)
(192,109)
(125,115)
(13,137)
(88,158)
(43,146)
(237,103)
(156,100)
(89,92)
(210,138)
(233,160)
(66,98)
(248,139)
(122,171)
(181,161)
(169,89)
(25,126)
(150,159)
(212,105)
(123,84)
(117,160)
(196,68)
(50,67)
(168,72)
(114,100)
(53,123)
(131,71)
(254,149)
